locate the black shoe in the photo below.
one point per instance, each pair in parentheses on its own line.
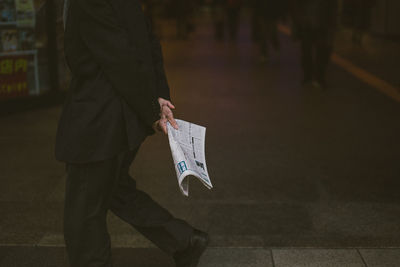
(320,84)
(306,83)
(191,255)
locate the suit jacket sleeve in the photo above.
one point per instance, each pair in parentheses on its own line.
(109,44)
(158,63)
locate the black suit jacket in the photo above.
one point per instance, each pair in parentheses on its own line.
(117,76)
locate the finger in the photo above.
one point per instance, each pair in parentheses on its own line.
(166,103)
(173,122)
(159,126)
(166,112)
(163,125)
(156,126)
(170,105)
(164,128)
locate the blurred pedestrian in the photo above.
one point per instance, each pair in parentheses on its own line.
(267,13)
(149,9)
(183,10)
(218,10)
(118,96)
(254,21)
(233,8)
(361,10)
(314,24)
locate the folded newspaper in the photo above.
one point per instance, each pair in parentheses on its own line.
(188,152)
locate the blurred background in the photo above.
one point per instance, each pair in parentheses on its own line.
(301,104)
(32,32)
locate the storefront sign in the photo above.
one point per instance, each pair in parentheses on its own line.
(25,13)
(14,76)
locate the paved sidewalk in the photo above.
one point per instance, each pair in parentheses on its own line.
(214,257)
(302,176)
(376,55)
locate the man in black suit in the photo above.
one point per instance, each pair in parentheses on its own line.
(118,95)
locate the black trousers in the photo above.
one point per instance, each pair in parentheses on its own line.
(268,33)
(233,16)
(316,50)
(94,188)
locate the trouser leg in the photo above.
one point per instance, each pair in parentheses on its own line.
(219,29)
(255,29)
(233,22)
(88,192)
(263,37)
(148,217)
(323,55)
(269,35)
(182,26)
(307,58)
(273,34)
(218,17)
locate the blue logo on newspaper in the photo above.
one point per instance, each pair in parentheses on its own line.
(182,167)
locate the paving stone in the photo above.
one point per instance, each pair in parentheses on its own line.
(260,219)
(362,224)
(231,241)
(117,241)
(317,258)
(57,257)
(236,257)
(136,240)
(141,257)
(4,251)
(381,257)
(35,257)
(27,222)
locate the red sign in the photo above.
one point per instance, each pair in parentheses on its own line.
(13,76)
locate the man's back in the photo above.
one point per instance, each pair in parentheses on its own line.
(116,79)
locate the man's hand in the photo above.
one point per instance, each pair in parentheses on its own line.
(166,115)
